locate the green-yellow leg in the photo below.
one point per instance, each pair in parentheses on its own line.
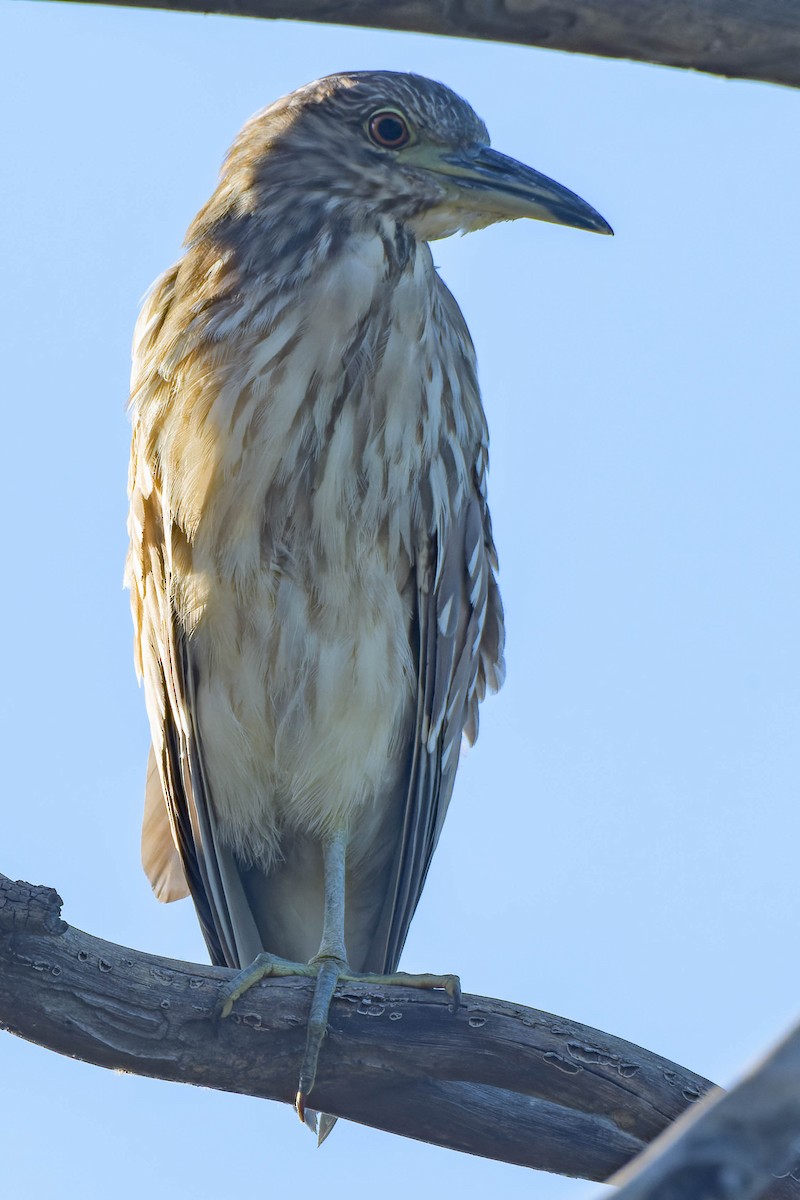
(330,960)
(330,966)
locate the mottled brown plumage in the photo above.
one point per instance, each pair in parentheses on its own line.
(311,563)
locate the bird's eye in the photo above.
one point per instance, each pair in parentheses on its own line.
(389,129)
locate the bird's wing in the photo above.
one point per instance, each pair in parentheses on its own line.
(187,833)
(160,858)
(183,838)
(459,644)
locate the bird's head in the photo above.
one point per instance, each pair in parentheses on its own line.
(368,144)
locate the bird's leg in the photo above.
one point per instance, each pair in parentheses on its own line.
(333,967)
(334,851)
(329,965)
(331,959)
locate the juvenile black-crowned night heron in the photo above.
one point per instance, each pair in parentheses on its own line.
(311,561)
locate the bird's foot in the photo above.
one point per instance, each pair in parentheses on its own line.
(333,971)
(265,966)
(329,970)
(447,983)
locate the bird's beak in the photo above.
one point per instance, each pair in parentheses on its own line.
(486,182)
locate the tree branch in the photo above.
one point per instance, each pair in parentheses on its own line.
(730,1145)
(494,1079)
(745,39)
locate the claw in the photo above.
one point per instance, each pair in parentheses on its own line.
(307,1115)
(453,989)
(223,1008)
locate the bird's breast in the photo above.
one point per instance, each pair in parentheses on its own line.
(306,698)
(325,442)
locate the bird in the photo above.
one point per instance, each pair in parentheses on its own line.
(311,561)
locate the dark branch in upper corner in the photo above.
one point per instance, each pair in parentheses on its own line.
(735,38)
(494,1079)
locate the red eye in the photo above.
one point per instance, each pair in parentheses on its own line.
(389,129)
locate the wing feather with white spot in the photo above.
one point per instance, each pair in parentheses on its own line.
(459,627)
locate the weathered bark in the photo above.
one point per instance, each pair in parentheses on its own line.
(745,39)
(494,1079)
(731,1144)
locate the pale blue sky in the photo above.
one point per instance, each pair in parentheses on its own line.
(622,847)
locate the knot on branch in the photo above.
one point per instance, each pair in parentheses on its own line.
(30,907)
